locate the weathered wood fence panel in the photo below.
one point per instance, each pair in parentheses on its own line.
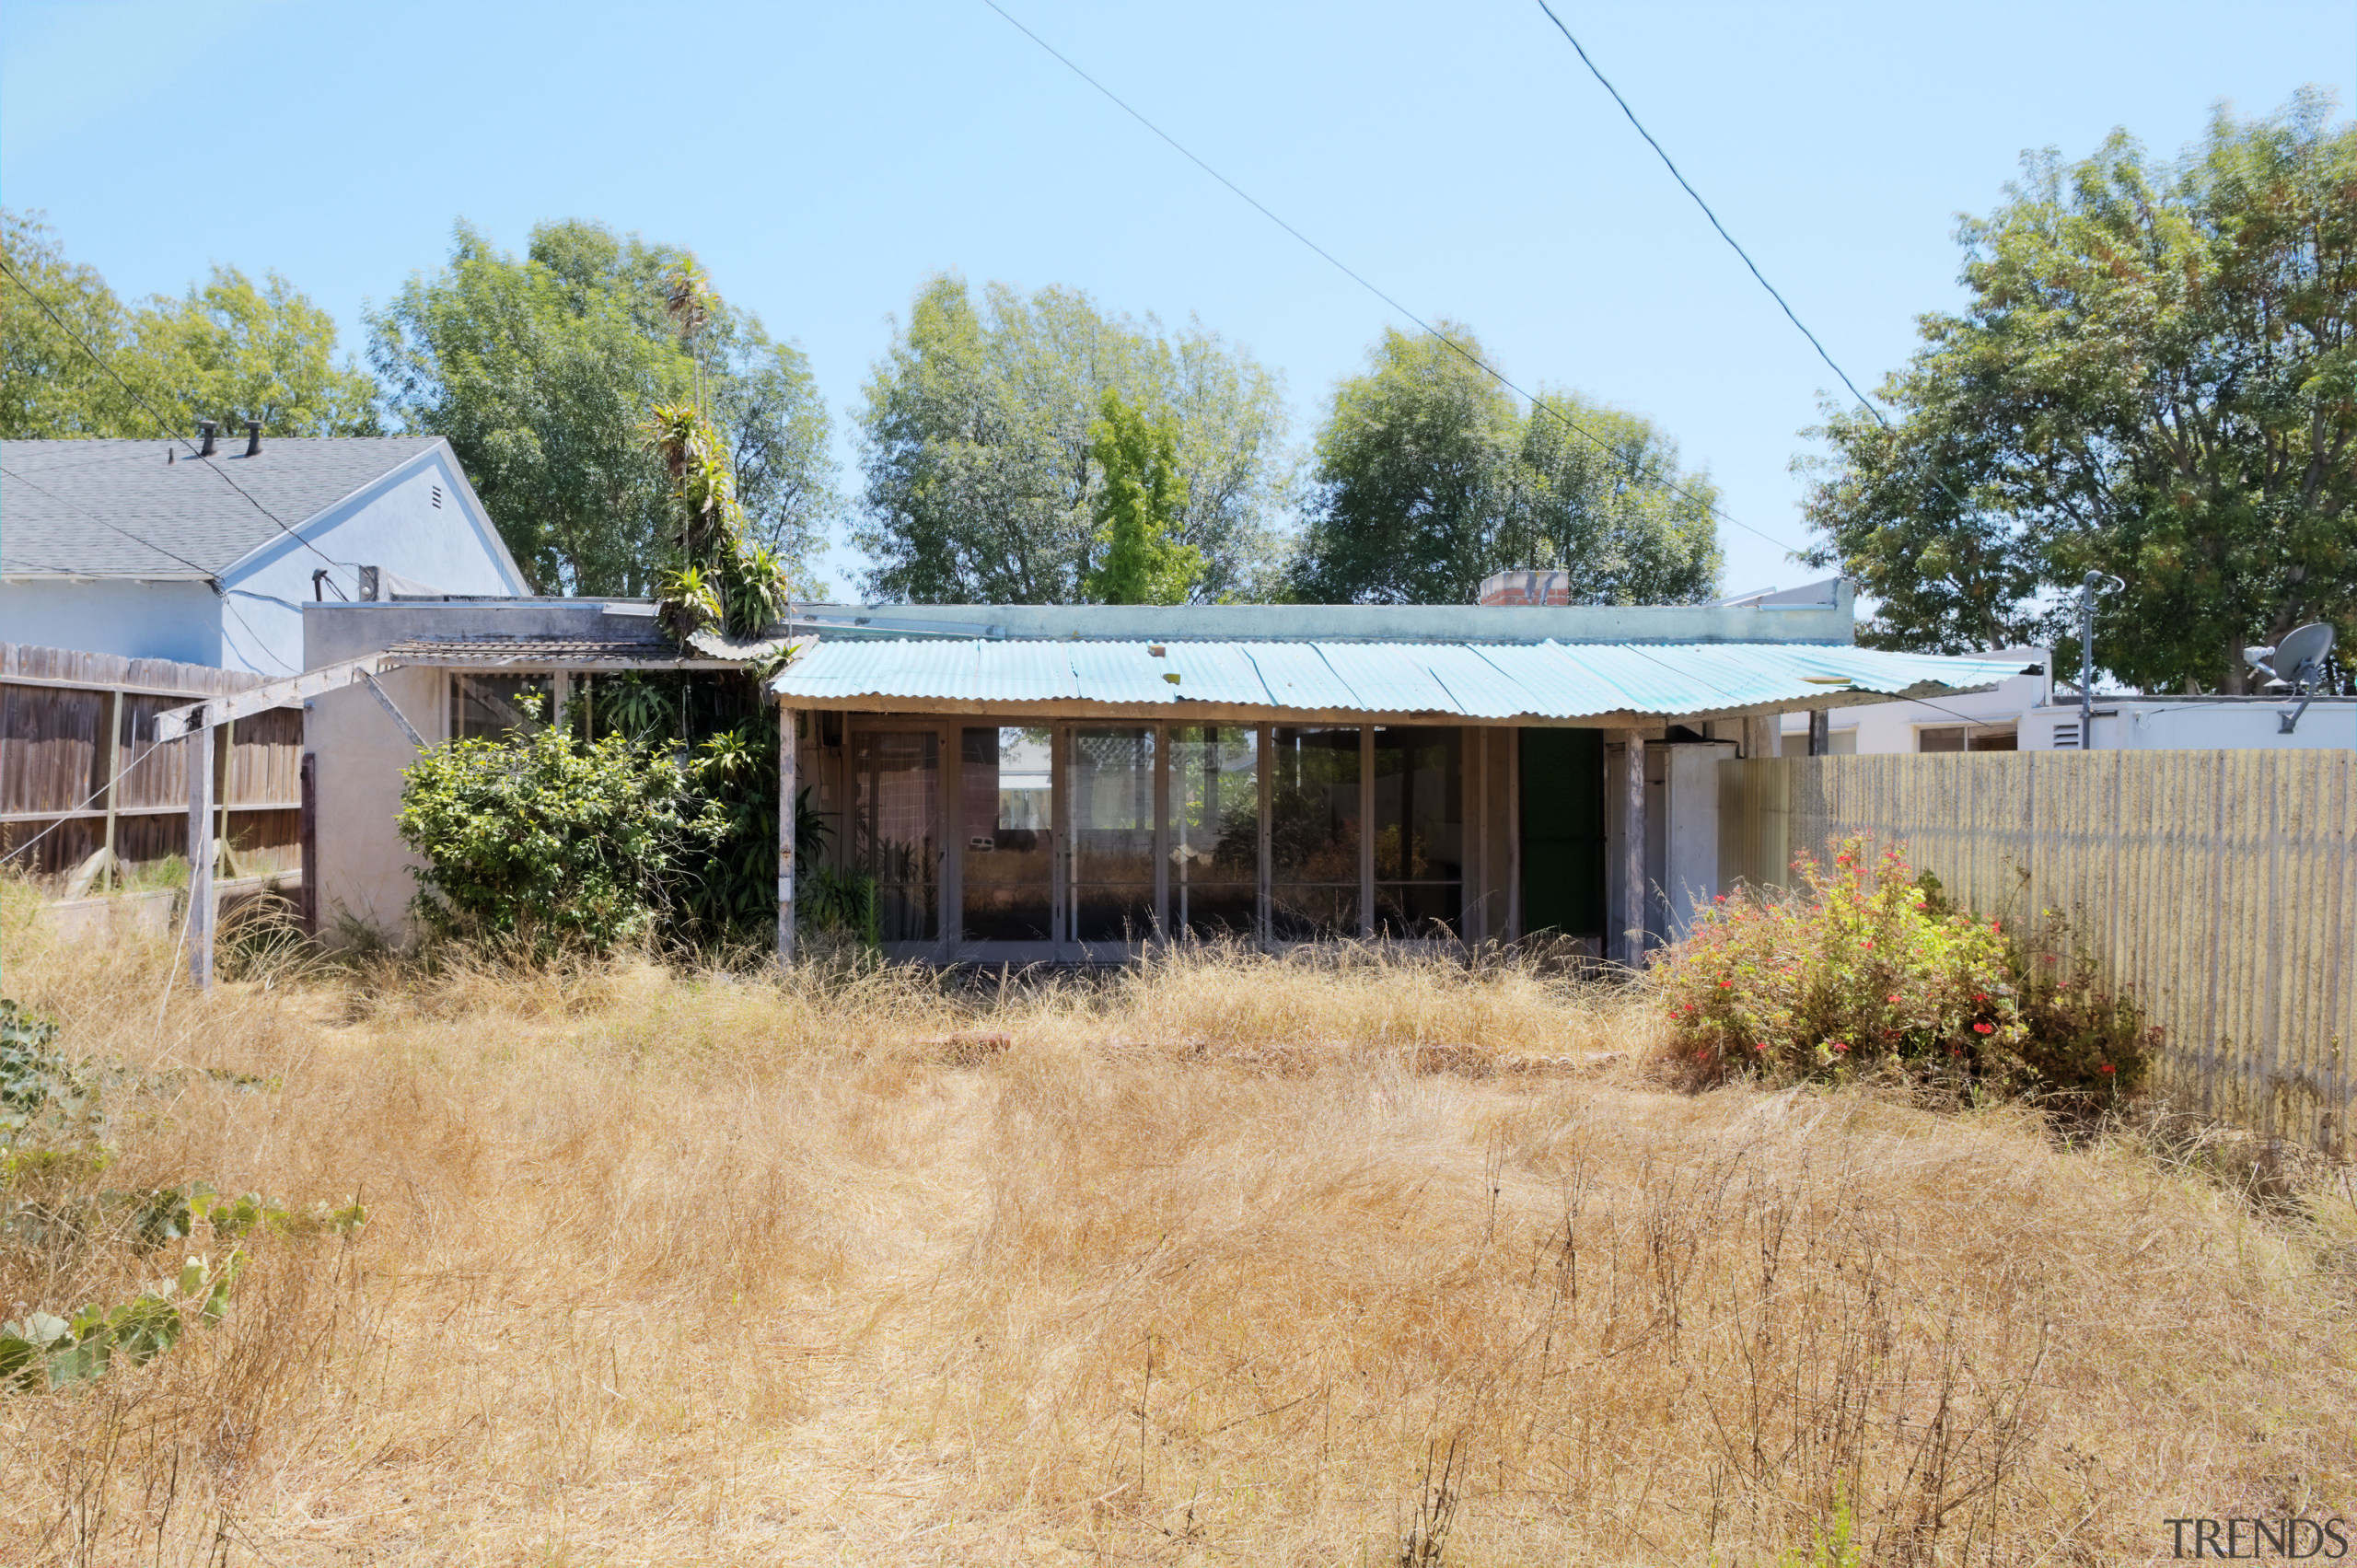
(2219,887)
(69,722)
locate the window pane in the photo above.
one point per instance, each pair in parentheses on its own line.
(896,805)
(1313,833)
(1215,831)
(488,707)
(1004,786)
(1419,831)
(1947,739)
(1112,834)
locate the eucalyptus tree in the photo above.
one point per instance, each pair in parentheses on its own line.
(1429,476)
(541,370)
(979,447)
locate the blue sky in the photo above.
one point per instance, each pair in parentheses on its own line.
(823,160)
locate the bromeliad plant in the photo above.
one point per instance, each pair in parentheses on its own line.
(1865,963)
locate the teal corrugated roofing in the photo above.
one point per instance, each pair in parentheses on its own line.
(1487,681)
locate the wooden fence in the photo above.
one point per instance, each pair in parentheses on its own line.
(2217,886)
(70,722)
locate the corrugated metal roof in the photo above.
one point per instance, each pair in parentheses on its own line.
(1557,680)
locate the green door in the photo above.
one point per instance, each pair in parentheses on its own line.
(1562,831)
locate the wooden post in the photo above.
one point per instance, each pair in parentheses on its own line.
(108,766)
(1265,785)
(1632,852)
(1820,732)
(200,854)
(307,904)
(1159,738)
(1513,834)
(787,762)
(1763,735)
(1366,832)
(224,751)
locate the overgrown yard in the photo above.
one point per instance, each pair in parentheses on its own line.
(1226,1262)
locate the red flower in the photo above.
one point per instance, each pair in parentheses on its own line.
(1840,1045)
(1984,1029)
(1893,996)
(1726,985)
(2105,1068)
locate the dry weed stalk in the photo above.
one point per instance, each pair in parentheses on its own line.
(1226,1259)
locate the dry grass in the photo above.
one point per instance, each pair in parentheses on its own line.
(672,1268)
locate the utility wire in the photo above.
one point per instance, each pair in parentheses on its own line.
(161,424)
(211,580)
(1707,212)
(1636,470)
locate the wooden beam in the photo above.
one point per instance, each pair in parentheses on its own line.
(199,929)
(1630,941)
(173,722)
(788,764)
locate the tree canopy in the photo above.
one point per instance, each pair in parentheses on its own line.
(980,449)
(541,371)
(1139,504)
(1429,477)
(2154,377)
(229,350)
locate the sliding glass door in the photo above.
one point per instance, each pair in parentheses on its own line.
(1006,861)
(1215,878)
(1113,781)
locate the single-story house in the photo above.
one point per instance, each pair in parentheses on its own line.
(146,551)
(1068,784)
(2027,713)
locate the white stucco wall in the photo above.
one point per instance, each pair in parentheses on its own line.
(118,615)
(366,874)
(393,524)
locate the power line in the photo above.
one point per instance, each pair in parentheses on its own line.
(1648,135)
(209,579)
(1635,469)
(162,425)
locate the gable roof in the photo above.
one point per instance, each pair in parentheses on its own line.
(116,508)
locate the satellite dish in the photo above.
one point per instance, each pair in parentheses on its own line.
(2298,660)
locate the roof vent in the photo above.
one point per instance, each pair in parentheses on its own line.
(253,437)
(437,497)
(208,428)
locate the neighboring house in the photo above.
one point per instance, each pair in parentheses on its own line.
(1072,784)
(140,549)
(2026,714)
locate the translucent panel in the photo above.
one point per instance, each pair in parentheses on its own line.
(1313,833)
(1112,834)
(1009,871)
(1215,831)
(896,811)
(1419,831)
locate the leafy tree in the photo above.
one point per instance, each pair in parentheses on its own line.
(540,371)
(980,448)
(2154,377)
(229,351)
(1429,478)
(1140,504)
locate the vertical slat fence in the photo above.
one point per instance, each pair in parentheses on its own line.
(2218,886)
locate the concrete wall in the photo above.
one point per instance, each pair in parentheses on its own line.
(126,617)
(366,875)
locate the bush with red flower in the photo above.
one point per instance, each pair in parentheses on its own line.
(1865,964)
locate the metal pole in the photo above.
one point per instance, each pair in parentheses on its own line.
(2090,585)
(200,854)
(787,762)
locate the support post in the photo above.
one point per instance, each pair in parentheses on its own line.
(1266,781)
(1366,832)
(1633,899)
(200,856)
(1763,735)
(307,904)
(1159,738)
(108,767)
(786,765)
(1820,732)
(1513,834)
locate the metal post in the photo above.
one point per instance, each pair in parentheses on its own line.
(200,854)
(787,762)
(2089,586)
(1632,852)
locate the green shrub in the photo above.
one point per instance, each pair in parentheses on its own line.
(1866,964)
(549,841)
(44,1093)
